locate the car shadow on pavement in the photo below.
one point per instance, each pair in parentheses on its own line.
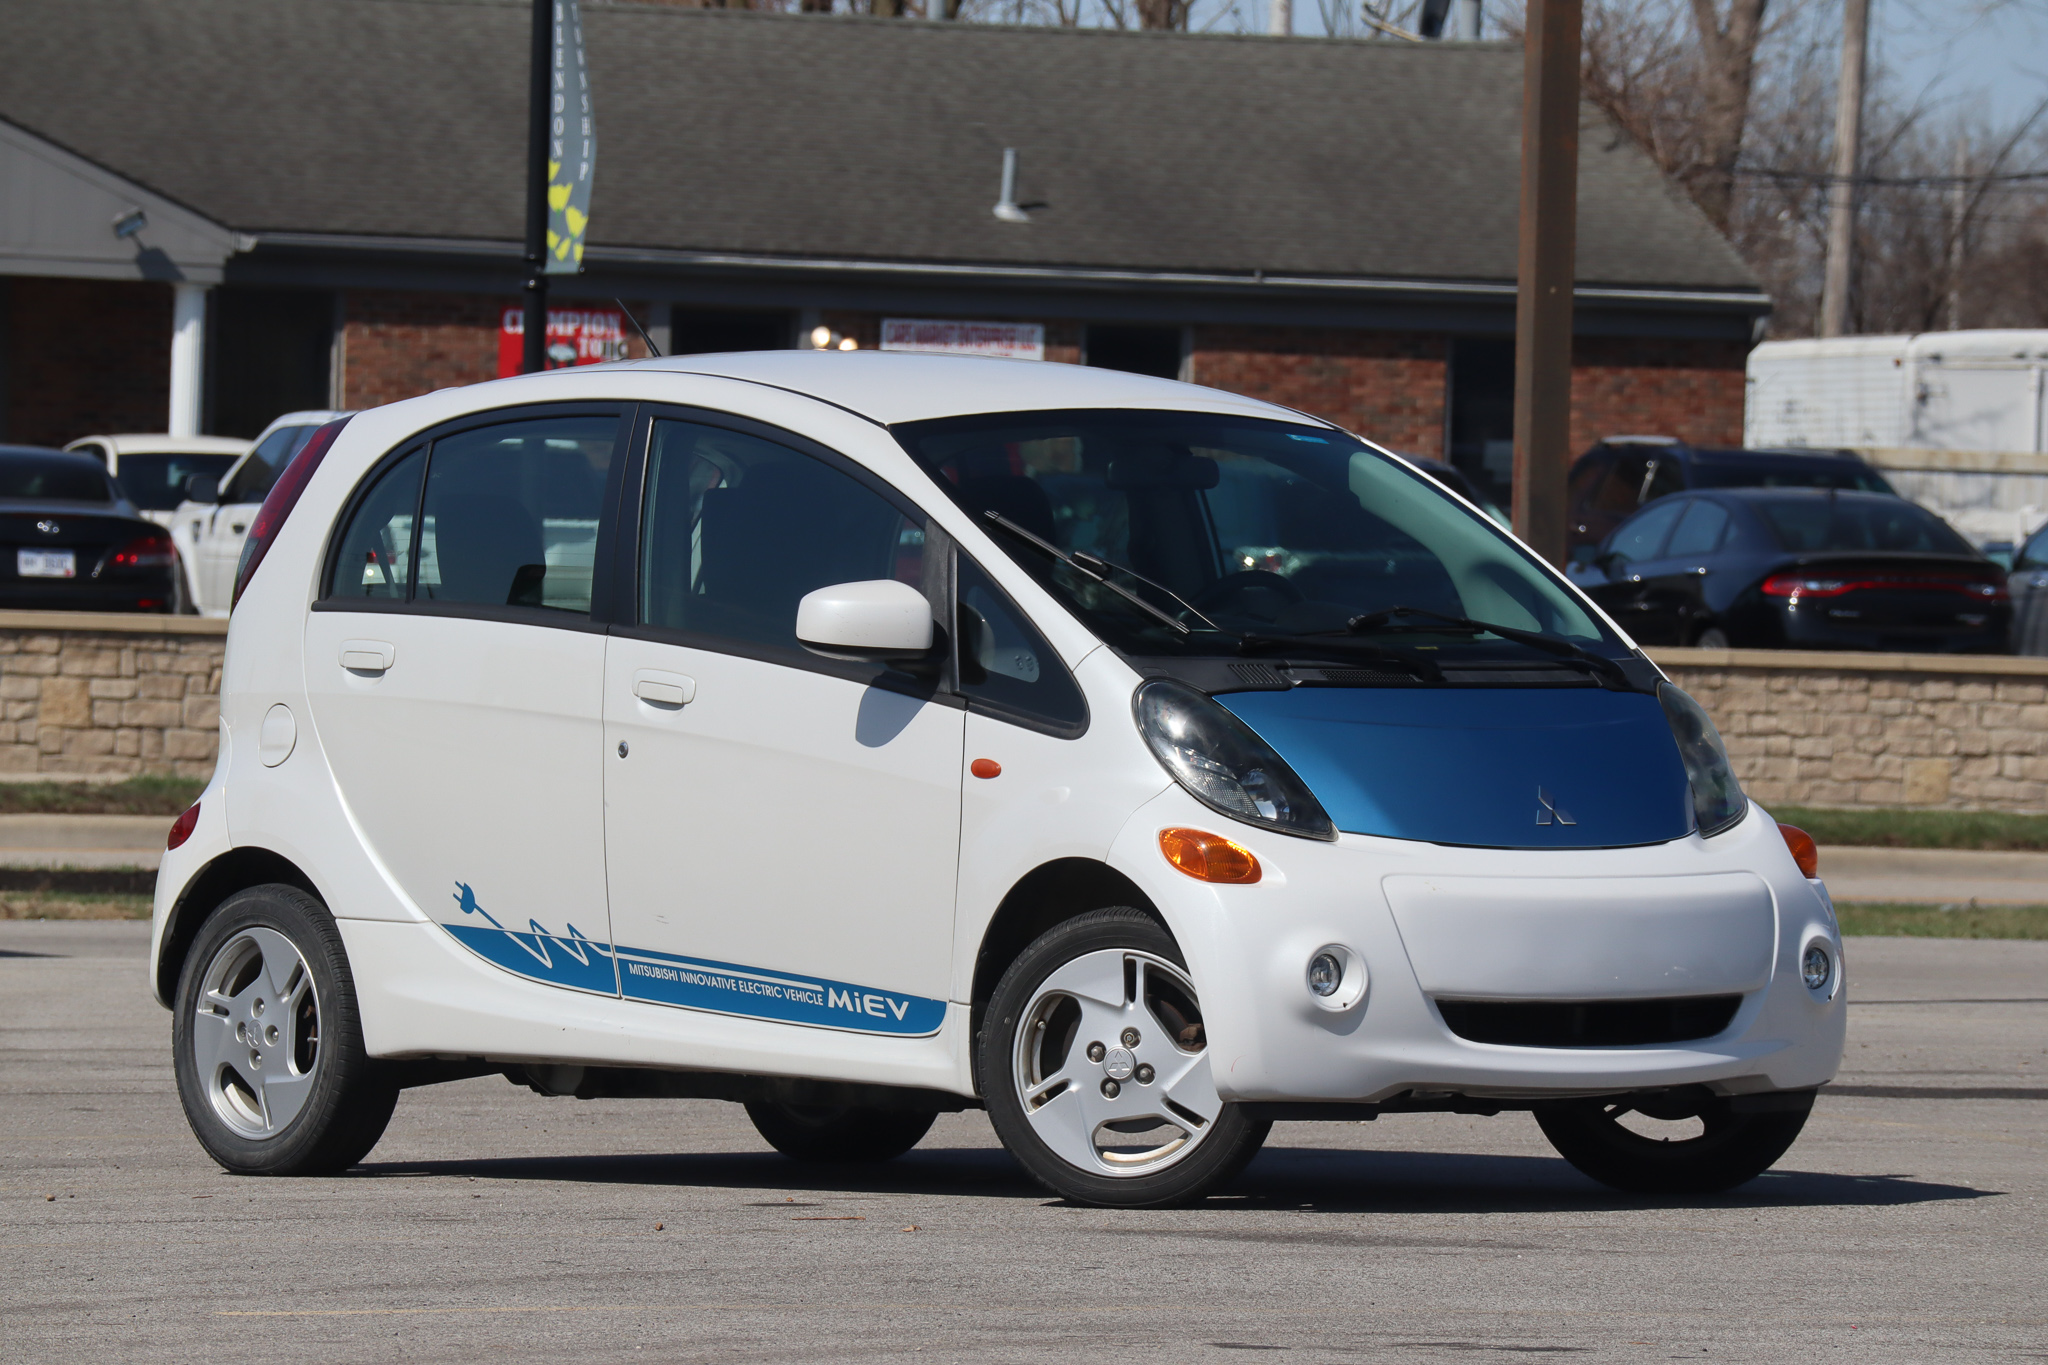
(1319,1178)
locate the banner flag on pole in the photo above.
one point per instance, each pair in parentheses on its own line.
(572,143)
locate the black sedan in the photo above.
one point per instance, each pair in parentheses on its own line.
(1798,568)
(69,540)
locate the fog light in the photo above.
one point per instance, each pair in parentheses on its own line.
(1325,974)
(1816,967)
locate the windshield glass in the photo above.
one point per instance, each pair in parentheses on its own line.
(29,479)
(1790,474)
(1263,528)
(156,483)
(1818,523)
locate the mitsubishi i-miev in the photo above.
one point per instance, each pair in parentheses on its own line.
(864,736)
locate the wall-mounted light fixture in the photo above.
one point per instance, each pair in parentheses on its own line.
(127,224)
(825,339)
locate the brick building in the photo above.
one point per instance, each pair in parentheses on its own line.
(330,195)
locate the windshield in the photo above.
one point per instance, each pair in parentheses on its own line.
(1790,474)
(156,483)
(30,479)
(1817,523)
(1261,528)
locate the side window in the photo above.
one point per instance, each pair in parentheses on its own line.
(374,558)
(737,529)
(1585,478)
(1004,662)
(1622,492)
(1642,536)
(1699,531)
(511,513)
(2034,554)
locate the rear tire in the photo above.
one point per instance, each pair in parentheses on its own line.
(267,1043)
(1713,637)
(838,1133)
(1094,1064)
(1731,1150)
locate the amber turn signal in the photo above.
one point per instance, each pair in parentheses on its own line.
(1804,851)
(1209,857)
(985,767)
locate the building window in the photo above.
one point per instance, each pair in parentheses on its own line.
(1136,350)
(698,331)
(1482,414)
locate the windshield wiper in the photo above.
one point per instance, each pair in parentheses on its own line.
(1099,569)
(1420,665)
(1549,644)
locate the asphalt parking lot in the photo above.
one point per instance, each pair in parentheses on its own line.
(495,1224)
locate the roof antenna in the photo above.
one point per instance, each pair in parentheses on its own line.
(652,349)
(1007,207)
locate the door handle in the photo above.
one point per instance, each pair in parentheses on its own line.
(664,689)
(367,656)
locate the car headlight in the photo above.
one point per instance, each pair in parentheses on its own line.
(1223,764)
(1717,799)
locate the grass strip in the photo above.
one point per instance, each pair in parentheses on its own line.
(72,905)
(148,794)
(1994,830)
(1967,919)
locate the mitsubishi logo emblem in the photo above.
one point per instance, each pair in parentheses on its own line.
(1549,812)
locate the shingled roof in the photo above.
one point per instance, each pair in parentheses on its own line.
(843,138)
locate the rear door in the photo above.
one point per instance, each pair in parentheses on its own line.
(455,669)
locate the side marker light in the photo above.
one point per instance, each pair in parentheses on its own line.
(1804,851)
(182,827)
(985,767)
(1209,857)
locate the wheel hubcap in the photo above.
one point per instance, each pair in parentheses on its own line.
(1112,1066)
(256,1036)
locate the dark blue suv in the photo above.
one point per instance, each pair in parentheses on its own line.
(1619,475)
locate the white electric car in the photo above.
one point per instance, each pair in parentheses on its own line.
(863,736)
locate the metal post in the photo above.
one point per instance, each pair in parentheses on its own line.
(188,357)
(539,109)
(1834,294)
(1958,223)
(1280,17)
(1543,300)
(1465,21)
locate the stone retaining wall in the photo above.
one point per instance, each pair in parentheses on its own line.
(85,692)
(1928,731)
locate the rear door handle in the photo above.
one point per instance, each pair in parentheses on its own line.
(367,656)
(664,689)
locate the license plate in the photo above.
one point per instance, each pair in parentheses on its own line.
(46,563)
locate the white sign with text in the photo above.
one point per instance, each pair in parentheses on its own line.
(1010,340)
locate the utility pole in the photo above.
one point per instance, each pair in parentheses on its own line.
(1279,17)
(539,107)
(1834,296)
(1958,222)
(1546,263)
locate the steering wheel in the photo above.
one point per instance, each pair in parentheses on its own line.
(1245,580)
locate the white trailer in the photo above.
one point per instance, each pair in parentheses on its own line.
(1958,421)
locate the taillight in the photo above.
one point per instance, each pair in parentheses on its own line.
(151,550)
(182,827)
(1798,585)
(283,497)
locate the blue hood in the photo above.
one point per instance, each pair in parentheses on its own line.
(1464,765)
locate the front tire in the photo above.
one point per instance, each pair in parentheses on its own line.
(267,1044)
(1729,1150)
(1094,1065)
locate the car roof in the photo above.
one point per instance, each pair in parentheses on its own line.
(43,454)
(1752,455)
(147,443)
(902,386)
(1850,495)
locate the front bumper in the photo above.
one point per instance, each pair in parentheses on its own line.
(1686,919)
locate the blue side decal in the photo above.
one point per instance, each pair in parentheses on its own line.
(572,959)
(582,963)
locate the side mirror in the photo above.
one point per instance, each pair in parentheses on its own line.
(200,488)
(877,621)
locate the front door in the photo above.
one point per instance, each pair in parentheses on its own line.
(781,829)
(455,678)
